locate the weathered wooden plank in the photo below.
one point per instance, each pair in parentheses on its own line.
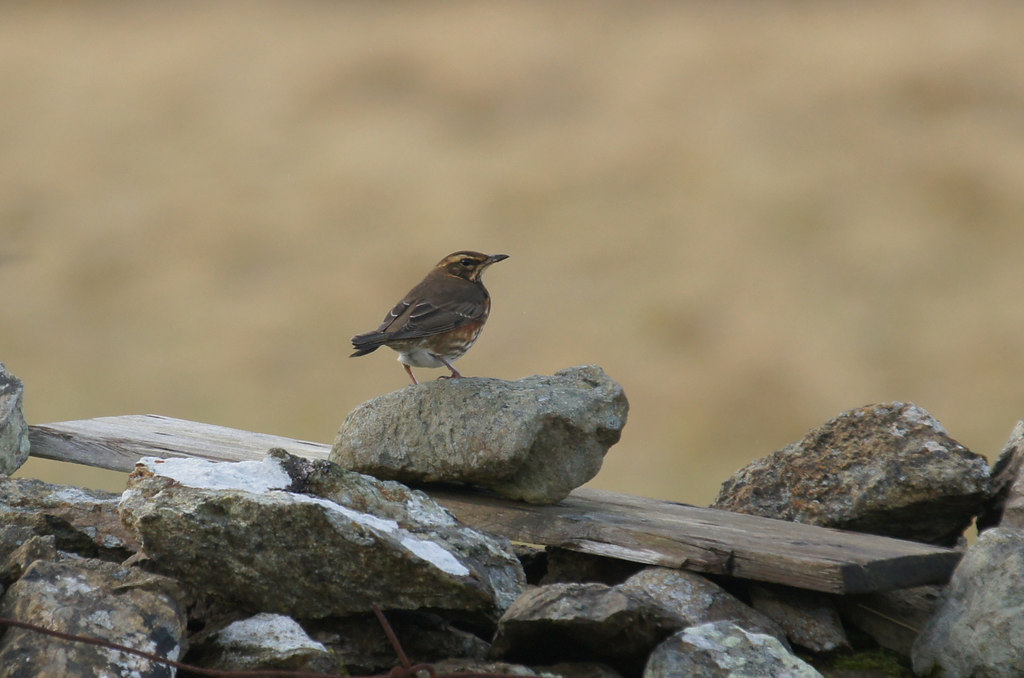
(590,521)
(712,541)
(116,443)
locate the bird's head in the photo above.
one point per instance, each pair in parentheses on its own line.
(468,265)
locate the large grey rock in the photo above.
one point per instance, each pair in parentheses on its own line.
(98,599)
(266,641)
(535,439)
(808,618)
(575,622)
(618,625)
(688,599)
(309,540)
(884,469)
(978,630)
(724,650)
(1005,505)
(82,521)
(14,445)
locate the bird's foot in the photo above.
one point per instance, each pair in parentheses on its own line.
(455,373)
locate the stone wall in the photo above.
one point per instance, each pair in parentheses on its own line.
(277,563)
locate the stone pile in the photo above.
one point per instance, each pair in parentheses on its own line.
(275,564)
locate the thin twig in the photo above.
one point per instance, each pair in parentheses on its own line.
(390,633)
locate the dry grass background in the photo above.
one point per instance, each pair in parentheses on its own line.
(753,215)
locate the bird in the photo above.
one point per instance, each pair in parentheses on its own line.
(439,319)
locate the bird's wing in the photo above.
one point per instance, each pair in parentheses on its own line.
(409,320)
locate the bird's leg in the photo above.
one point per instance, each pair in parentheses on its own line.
(455,373)
(411,375)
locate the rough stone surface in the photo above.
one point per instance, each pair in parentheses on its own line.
(534,440)
(688,599)
(979,627)
(580,622)
(309,540)
(14,445)
(82,521)
(1006,502)
(884,469)
(809,619)
(94,598)
(724,650)
(34,548)
(266,641)
(618,625)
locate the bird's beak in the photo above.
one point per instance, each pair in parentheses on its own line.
(495,258)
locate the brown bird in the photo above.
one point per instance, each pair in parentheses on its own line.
(439,319)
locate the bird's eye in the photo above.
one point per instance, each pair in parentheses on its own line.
(466,262)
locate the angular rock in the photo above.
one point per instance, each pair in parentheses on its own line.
(618,625)
(34,548)
(310,540)
(883,469)
(360,644)
(580,622)
(266,641)
(688,599)
(1005,505)
(724,650)
(534,440)
(14,445)
(12,542)
(979,627)
(92,598)
(83,521)
(809,618)
(892,618)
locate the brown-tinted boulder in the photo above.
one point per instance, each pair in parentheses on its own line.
(887,469)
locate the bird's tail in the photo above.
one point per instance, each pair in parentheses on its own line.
(366,343)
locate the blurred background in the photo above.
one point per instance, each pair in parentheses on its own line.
(753,215)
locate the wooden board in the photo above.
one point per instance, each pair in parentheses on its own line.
(590,521)
(707,540)
(116,443)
